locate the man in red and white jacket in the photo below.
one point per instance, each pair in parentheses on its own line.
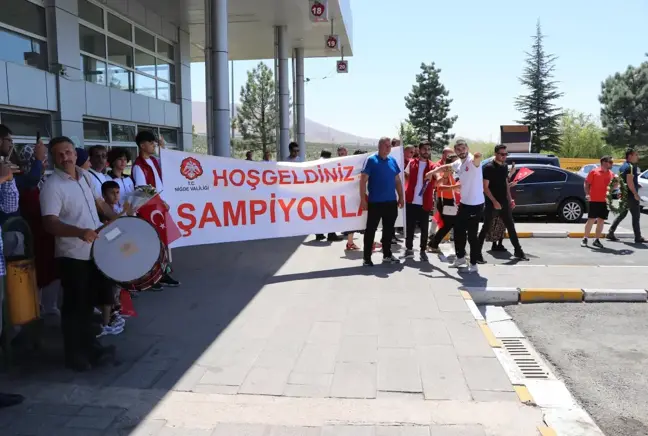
(419,198)
(147,170)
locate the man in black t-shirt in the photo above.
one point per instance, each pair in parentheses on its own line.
(498,200)
(629,173)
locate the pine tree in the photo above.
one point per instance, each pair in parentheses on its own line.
(257,115)
(429,107)
(538,108)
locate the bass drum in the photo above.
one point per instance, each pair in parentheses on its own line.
(130,252)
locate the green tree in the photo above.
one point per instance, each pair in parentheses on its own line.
(407,134)
(581,136)
(258,115)
(538,107)
(624,112)
(198,142)
(429,107)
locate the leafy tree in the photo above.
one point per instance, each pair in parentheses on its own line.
(407,134)
(624,112)
(258,112)
(198,142)
(581,136)
(429,107)
(538,108)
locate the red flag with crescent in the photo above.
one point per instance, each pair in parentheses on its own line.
(156,213)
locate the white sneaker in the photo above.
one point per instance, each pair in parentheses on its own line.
(111,330)
(472,268)
(459,263)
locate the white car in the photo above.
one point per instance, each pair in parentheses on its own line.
(643,180)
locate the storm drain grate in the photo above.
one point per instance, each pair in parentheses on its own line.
(525,360)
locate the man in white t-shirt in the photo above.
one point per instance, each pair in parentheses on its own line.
(98,163)
(469,172)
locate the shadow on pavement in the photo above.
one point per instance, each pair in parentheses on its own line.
(172,328)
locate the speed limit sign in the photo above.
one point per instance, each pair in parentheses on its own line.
(318,11)
(332,42)
(342,66)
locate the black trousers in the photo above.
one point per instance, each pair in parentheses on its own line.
(448,222)
(635,210)
(466,228)
(82,285)
(416,216)
(388,212)
(506,214)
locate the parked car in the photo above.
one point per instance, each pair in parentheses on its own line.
(585,170)
(530,158)
(550,190)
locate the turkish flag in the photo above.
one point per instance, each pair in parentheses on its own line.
(155,212)
(522,174)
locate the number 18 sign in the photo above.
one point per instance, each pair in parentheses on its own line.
(318,11)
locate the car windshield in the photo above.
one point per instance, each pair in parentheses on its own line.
(588,168)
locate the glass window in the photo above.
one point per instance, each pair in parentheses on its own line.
(144,39)
(144,62)
(166,91)
(93,70)
(22,50)
(165,49)
(165,70)
(123,133)
(24,15)
(170,136)
(544,175)
(120,78)
(120,53)
(120,27)
(23,124)
(92,42)
(144,85)
(91,13)
(95,130)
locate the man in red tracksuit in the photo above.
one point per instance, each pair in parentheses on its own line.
(419,198)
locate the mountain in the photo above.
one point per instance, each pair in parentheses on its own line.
(315,132)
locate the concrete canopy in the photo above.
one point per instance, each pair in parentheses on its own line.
(251,26)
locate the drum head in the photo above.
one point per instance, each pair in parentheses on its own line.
(126,249)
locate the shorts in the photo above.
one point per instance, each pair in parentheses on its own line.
(598,209)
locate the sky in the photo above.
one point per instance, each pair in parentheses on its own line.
(479,46)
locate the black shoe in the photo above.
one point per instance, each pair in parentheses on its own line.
(611,237)
(390,259)
(167,280)
(597,244)
(8,400)
(367,262)
(640,241)
(519,255)
(320,237)
(333,237)
(423,256)
(481,260)
(584,242)
(156,287)
(78,363)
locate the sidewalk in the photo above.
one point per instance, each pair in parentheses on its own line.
(279,338)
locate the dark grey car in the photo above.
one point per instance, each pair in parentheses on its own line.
(550,191)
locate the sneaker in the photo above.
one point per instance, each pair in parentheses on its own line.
(117,321)
(435,250)
(597,244)
(611,237)
(334,238)
(156,287)
(111,330)
(390,259)
(473,268)
(409,254)
(423,256)
(320,237)
(584,242)
(167,280)
(498,247)
(520,255)
(640,241)
(481,260)
(367,262)
(459,263)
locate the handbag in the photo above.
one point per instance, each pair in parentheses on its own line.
(451,210)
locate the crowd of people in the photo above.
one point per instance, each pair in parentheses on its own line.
(65,208)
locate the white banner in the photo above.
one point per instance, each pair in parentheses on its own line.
(215,199)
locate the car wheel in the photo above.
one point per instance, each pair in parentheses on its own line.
(571,210)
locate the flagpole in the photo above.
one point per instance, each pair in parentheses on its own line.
(166,228)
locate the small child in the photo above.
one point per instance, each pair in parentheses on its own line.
(110,192)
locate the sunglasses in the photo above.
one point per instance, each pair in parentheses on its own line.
(502,154)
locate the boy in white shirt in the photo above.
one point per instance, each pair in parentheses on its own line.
(110,192)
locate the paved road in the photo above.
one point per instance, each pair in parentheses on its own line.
(601,352)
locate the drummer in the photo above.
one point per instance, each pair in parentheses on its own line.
(148,171)
(70,212)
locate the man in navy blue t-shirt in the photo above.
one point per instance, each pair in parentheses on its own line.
(381,176)
(629,173)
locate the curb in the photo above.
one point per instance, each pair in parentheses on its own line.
(558,234)
(504,296)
